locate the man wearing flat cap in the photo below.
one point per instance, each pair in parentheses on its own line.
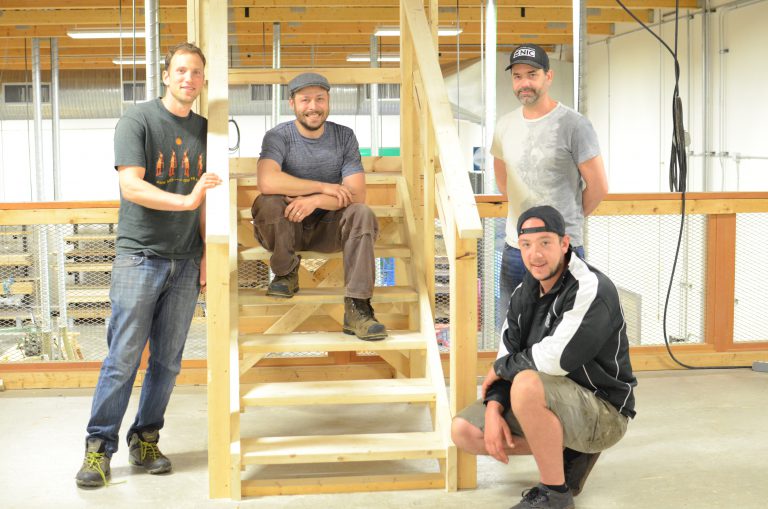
(544,153)
(312,186)
(562,380)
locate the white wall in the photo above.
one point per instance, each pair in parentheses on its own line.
(87,160)
(630,83)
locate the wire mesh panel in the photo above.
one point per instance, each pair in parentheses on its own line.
(637,253)
(55,302)
(751,260)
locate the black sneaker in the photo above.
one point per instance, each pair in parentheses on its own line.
(95,471)
(541,497)
(143,452)
(285,286)
(360,320)
(577,466)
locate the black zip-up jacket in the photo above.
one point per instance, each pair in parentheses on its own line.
(576,330)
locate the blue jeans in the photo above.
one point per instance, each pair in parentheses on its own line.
(511,274)
(153,299)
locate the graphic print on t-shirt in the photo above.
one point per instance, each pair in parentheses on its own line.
(186,165)
(159,166)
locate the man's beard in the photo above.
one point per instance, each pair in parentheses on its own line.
(530,99)
(307,126)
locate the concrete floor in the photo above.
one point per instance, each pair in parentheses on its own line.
(699,441)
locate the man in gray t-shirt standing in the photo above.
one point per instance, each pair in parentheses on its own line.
(313,198)
(544,154)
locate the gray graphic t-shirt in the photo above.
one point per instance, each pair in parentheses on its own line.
(171,149)
(542,157)
(329,158)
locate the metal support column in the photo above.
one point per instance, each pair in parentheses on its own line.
(275,65)
(374,99)
(41,238)
(151,23)
(61,275)
(488,254)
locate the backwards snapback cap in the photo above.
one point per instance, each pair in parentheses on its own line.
(307,79)
(553,220)
(530,54)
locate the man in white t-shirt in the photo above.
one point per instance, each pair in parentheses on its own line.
(545,153)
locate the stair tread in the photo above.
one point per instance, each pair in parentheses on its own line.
(387,390)
(342,448)
(328,342)
(382,251)
(326,295)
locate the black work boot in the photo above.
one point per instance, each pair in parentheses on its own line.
(577,466)
(287,285)
(360,320)
(143,452)
(95,470)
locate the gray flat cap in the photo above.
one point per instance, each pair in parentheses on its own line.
(307,79)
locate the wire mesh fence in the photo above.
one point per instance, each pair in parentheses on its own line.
(55,279)
(751,260)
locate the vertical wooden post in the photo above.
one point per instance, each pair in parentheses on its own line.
(208,18)
(463,290)
(721,281)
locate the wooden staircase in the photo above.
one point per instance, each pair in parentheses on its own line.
(310,322)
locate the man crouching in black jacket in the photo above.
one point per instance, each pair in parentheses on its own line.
(562,386)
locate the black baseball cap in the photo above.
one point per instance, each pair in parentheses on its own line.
(530,54)
(307,79)
(553,220)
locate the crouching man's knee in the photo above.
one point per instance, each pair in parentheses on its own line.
(466,435)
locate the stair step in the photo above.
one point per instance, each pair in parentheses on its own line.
(328,342)
(379,210)
(326,295)
(342,448)
(384,251)
(350,392)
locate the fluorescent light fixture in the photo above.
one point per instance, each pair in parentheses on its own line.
(104,33)
(129,61)
(395,31)
(367,58)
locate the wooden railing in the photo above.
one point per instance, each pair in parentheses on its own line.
(430,150)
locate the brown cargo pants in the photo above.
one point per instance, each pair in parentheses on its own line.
(352,230)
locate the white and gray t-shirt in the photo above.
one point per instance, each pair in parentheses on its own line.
(329,158)
(542,157)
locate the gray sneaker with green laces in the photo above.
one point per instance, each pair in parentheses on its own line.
(143,452)
(541,497)
(95,471)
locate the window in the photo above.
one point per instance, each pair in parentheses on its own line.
(21,93)
(134,91)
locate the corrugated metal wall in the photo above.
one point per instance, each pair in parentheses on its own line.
(97,94)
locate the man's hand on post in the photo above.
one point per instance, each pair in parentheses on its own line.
(195,198)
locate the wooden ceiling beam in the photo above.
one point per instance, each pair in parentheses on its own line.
(84,17)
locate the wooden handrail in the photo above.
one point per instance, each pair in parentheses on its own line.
(435,100)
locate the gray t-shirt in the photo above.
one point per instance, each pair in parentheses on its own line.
(329,158)
(542,157)
(171,149)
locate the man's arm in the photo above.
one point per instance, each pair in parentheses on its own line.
(134,188)
(300,207)
(593,173)
(500,170)
(273,180)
